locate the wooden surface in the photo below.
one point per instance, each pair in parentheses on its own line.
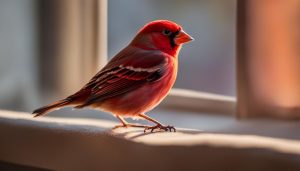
(91,144)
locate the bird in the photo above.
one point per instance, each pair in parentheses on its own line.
(135,80)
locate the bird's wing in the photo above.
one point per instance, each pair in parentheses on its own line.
(126,72)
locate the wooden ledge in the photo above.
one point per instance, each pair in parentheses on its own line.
(85,144)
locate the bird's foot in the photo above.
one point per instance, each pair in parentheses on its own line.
(160,127)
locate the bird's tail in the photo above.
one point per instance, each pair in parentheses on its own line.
(51,107)
(72,100)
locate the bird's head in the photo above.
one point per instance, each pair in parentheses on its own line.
(162,35)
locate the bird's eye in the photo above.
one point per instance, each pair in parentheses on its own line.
(166,32)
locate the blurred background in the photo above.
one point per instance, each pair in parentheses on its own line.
(50,48)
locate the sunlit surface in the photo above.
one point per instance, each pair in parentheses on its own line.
(78,144)
(207,122)
(213,130)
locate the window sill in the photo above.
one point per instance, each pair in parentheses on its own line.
(86,144)
(199,101)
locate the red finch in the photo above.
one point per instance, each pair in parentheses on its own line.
(136,80)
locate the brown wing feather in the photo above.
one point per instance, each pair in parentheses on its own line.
(117,83)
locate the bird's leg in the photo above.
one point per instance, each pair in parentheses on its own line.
(122,120)
(157,126)
(125,124)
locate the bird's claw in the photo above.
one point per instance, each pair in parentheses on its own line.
(160,127)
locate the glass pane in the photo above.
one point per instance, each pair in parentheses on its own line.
(207,64)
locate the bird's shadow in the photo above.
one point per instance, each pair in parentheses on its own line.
(137,133)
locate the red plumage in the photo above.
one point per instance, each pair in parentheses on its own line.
(136,79)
